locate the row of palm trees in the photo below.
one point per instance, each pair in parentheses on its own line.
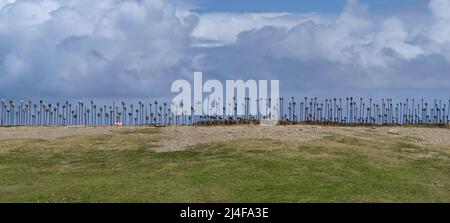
(308,110)
(27,113)
(360,111)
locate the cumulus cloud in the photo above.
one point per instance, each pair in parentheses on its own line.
(354,52)
(136,48)
(218,29)
(82,48)
(440,30)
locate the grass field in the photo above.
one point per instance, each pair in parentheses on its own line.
(124,167)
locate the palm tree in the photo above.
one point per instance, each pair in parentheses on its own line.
(400,113)
(46,115)
(99,116)
(247,108)
(443,120)
(347,110)
(124,110)
(88,111)
(413,116)
(64,108)
(140,112)
(270,102)
(124,113)
(80,112)
(94,116)
(69,111)
(55,116)
(407,111)
(25,110)
(151,113)
(235,108)
(156,107)
(19,113)
(49,114)
(131,114)
(435,112)
(300,114)
(160,115)
(289,111)
(60,117)
(169,113)
(43,114)
(293,109)
(448,112)
(34,114)
(165,114)
(66,113)
(147,117)
(113,109)
(93,113)
(8,118)
(305,109)
(3,112)
(136,120)
(114,115)
(12,105)
(182,112)
(104,114)
(440,112)
(74,114)
(107,120)
(281,100)
(39,116)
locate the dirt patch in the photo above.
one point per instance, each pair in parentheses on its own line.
(179,137)
(48,133)
(176,138)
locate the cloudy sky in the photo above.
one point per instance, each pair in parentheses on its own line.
(137,48)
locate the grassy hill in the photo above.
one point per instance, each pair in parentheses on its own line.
(126,166)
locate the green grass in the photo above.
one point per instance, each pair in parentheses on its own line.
(123,167)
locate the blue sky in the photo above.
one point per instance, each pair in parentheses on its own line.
(137,48)
(324,6)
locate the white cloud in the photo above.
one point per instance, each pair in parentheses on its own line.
(112,48)
(440,30)
(354,51)
(223,28)
(83,48)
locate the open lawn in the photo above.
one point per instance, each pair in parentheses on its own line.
(354,164)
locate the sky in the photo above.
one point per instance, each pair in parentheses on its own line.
(299,6)
(72,49)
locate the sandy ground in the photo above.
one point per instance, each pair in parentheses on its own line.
(51,132)
(181,137)
(177,138)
